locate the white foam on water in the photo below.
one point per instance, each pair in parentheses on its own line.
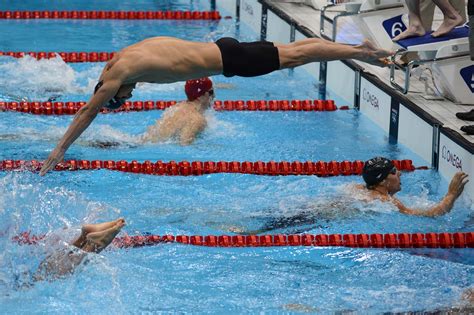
(95,134)
(30,79)
(29,204)
(176,88)
(108,133)
(220,128)
(360,199)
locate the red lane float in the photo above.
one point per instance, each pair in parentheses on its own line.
(71,108)
(111,15)
(278,105)
(70,57)
(389,240)
(196,168)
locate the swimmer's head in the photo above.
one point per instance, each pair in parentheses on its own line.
(377,170)
(123,94)
(198,87)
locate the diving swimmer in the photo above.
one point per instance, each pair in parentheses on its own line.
(93,239)
(168,60)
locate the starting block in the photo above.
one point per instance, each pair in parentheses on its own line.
(378,20)
(449,59)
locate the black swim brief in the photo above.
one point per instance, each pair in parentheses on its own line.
(248,59)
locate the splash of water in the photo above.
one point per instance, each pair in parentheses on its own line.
(29,204)
(39,80)
(93,136)
(220,128)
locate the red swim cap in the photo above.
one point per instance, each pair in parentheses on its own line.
(196,88)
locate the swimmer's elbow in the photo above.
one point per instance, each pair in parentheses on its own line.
(406,210)
(419,212)
(89,111)
(436,212)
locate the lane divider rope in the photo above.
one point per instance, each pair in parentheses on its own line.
(71,108)
(388,240)
(196,168)
(111,15)
(70,57)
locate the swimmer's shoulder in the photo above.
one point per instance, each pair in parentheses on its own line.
(179,108)
(361,193)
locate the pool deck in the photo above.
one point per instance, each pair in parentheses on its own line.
(443,110)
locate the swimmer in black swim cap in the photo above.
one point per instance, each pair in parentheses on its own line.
(382,181)
(377,170)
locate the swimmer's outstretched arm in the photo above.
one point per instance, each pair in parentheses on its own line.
(455,189)
(82,120)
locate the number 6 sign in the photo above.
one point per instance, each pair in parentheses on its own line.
(394,26)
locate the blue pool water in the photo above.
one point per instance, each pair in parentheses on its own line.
(176,278)
(106,5)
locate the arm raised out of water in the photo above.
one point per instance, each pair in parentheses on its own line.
(455,189)
(82,120)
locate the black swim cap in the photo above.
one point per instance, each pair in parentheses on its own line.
(376,170)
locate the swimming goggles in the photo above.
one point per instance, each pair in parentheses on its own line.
(394,170)
(116,101)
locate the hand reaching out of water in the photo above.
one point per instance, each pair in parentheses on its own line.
(457,184)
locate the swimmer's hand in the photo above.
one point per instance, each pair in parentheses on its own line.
(53,159)
(370,53)
(457,184)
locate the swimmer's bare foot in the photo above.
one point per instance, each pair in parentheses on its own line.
(448,24)
(413,30)
(91,228)
(97,241)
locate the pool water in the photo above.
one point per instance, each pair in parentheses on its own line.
(179,278)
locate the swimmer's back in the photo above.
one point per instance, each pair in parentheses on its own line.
(167,59)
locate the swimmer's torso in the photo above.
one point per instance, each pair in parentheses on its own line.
(164,60)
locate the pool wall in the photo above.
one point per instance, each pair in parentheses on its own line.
(404,121)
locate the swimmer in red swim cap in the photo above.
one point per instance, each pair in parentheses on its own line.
(197,88)
(185,120)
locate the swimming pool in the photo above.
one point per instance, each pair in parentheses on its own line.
(180,278)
